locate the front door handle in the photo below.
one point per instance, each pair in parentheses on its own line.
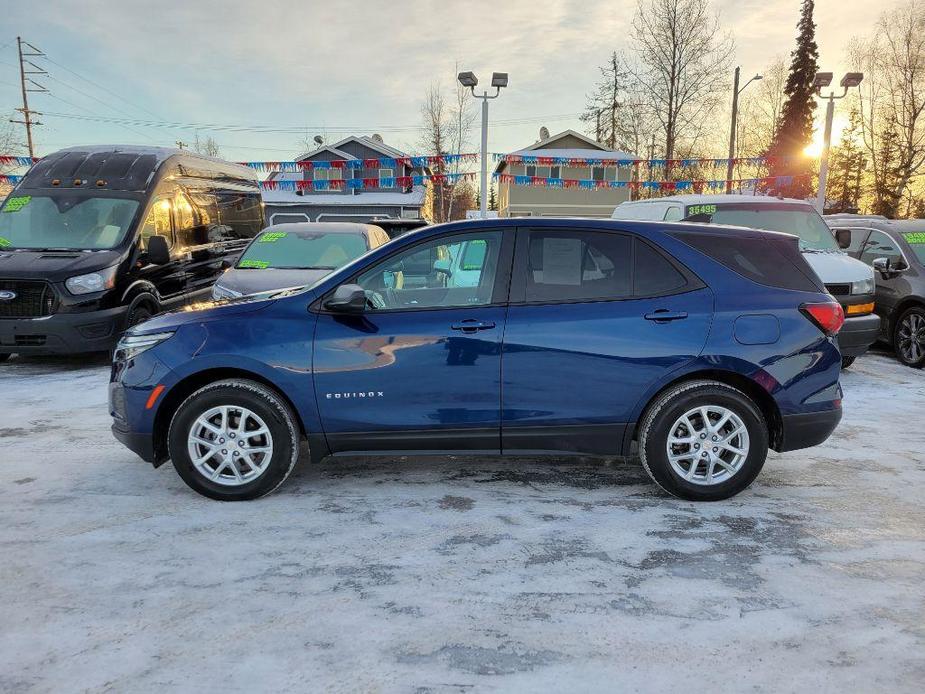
(663,315)
(471,325)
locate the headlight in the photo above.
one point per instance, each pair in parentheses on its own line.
(867,286)
(220,292)
(92,282)
(133,345)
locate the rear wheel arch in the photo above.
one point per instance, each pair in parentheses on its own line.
(173,398)
(762,399)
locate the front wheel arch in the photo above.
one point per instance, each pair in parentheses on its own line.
(173,398)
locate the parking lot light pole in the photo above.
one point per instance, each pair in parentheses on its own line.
(498,80)
(822,80)
(732,129)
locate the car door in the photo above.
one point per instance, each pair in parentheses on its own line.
(891,289)
(596,317)
(421,368)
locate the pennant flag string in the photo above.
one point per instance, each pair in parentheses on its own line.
(363,183)
(10,178)
(415,162)
(651,163)
(10,160)
(687,185)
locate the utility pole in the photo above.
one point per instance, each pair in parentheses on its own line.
(181,144)
(28,85)
(732,127)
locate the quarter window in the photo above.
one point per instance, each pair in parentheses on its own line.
(457,270)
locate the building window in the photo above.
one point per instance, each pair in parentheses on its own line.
(386,173)
(555,172)
(597,173)
(531,170)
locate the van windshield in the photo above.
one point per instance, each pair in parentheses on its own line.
(302,250)
(800,220)
(66,220)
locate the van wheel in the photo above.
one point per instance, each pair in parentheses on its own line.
(233,440)
(909,337)
(703,441)
(137,315)
(847,361)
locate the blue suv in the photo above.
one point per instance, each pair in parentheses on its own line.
(700,349)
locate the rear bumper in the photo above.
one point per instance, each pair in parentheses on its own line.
(140,444)
(858,334)
(62,333)
(808,429)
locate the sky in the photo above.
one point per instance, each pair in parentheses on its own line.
(331,67)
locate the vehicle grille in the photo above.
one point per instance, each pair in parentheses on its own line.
(838,289)
(34,299)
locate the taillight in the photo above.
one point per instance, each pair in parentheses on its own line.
(828,316)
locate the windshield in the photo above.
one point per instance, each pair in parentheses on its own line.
(302,250)
(916,241)
(68,220)
(800,220)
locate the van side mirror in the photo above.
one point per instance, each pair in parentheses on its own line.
(347,298)
(843,237)
(226,264)
(158,251)
(886,269)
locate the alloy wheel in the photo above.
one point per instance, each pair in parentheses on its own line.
(230,445)
(911,334)
(707,445)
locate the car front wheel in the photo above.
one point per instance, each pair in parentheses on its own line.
(909,337)
(703,441)
(234,440)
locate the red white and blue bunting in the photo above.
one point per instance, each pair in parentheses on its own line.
(650,163)
(10,160)
(361,183)
(10,178)
(693,186)
(415,162)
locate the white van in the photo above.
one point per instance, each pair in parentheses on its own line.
(849,280)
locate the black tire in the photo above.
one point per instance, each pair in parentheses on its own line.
(846,362)
(662,414)
(5,357)
(909,341)
(262,401)
(137,315)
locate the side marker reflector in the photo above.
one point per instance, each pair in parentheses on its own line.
(155,394)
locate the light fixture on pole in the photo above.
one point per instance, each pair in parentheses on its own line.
(821,81)
(470,81)
(732,129)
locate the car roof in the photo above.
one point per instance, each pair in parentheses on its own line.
(876,222)
(717,199)
(325,227)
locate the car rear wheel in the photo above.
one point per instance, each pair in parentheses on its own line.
(234,440)
(909,337)
(703,441)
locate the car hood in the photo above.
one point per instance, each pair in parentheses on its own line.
(835,267)
(253,281)
(202,312)
(54,266)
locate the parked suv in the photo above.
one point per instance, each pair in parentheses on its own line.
(96,239)
(896,251)
(845,278)
(702,348)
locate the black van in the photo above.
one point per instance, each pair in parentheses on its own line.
(95,239)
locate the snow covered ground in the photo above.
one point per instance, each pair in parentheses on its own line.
(449,576)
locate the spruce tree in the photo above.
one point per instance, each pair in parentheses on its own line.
(795,129)
(846,169)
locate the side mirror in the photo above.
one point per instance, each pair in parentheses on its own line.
(886,269)
(442,266)
(347,298)
(158,251)
(843,237)
(226,264)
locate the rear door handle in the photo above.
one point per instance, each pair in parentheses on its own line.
(470,325)
(663,315)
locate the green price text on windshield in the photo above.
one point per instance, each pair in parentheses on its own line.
(700,209)
(5,242)
(256,264)
(17,203)
(915,237)
(271,236)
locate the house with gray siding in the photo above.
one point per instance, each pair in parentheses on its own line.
(538,201)
(348,205)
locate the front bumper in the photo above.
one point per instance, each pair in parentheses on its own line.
(858,334)
(63,333)
(140,444)
(807,429)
